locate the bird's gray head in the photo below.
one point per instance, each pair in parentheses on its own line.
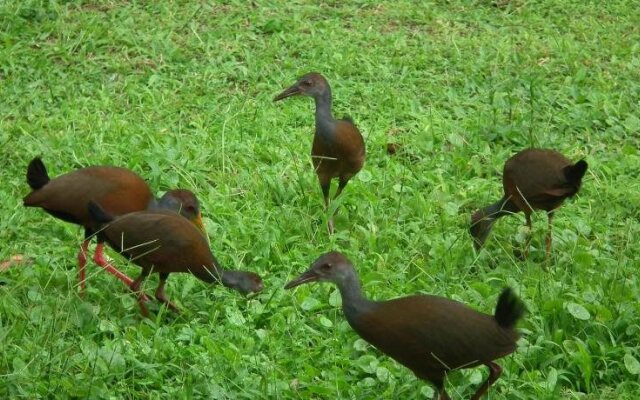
(329,267)
(312,84)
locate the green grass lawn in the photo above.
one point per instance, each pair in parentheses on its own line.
(182,92)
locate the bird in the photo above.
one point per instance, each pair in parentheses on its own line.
(338,149)
(162,241)
(533,179)
(118,190)
(430,335)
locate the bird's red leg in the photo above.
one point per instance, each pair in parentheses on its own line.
(440,393)
(82,263)
(325,184)
(330,225)
(549,238)
(527,243)
(100,259)
(494,373)
(342,183)
(161,295)
(135,288)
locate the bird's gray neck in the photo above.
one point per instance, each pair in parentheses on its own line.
(228,278)
(165,203)
(154,204)
(498,209)
(353,302)
(231,279)
(325,124)
(213,273)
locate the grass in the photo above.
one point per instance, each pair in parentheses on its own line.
(181,93)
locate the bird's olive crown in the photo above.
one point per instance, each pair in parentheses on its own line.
(311,83)
(331,266)
(181,201)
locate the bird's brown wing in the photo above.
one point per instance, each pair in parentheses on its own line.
(117,190)
(431,334)
(534,178)
(350,148)
(343,156)
(163,240)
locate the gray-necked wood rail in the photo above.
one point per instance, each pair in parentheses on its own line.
(533,179)
(430,335)
(162,241)
(338,149)
(118,190)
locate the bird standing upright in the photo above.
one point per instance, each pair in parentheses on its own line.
(118,190)
(430,335)
(533,179)
(162,241)
(338,149)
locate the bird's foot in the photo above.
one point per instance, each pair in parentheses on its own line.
(135,288)
(82,284)
(168,303)
(330,226)
(143,309)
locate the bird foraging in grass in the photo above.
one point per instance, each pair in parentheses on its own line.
(533,179)
(162,241)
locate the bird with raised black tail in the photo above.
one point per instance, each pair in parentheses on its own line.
(430,335)
(118,190)
(533,179)
(162,241)
(338,149)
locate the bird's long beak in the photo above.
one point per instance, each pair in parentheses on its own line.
(292,91)
(308,276)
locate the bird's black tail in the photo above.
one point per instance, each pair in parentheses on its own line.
(98,214)
(509,309)
(37,175)
(575,172)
